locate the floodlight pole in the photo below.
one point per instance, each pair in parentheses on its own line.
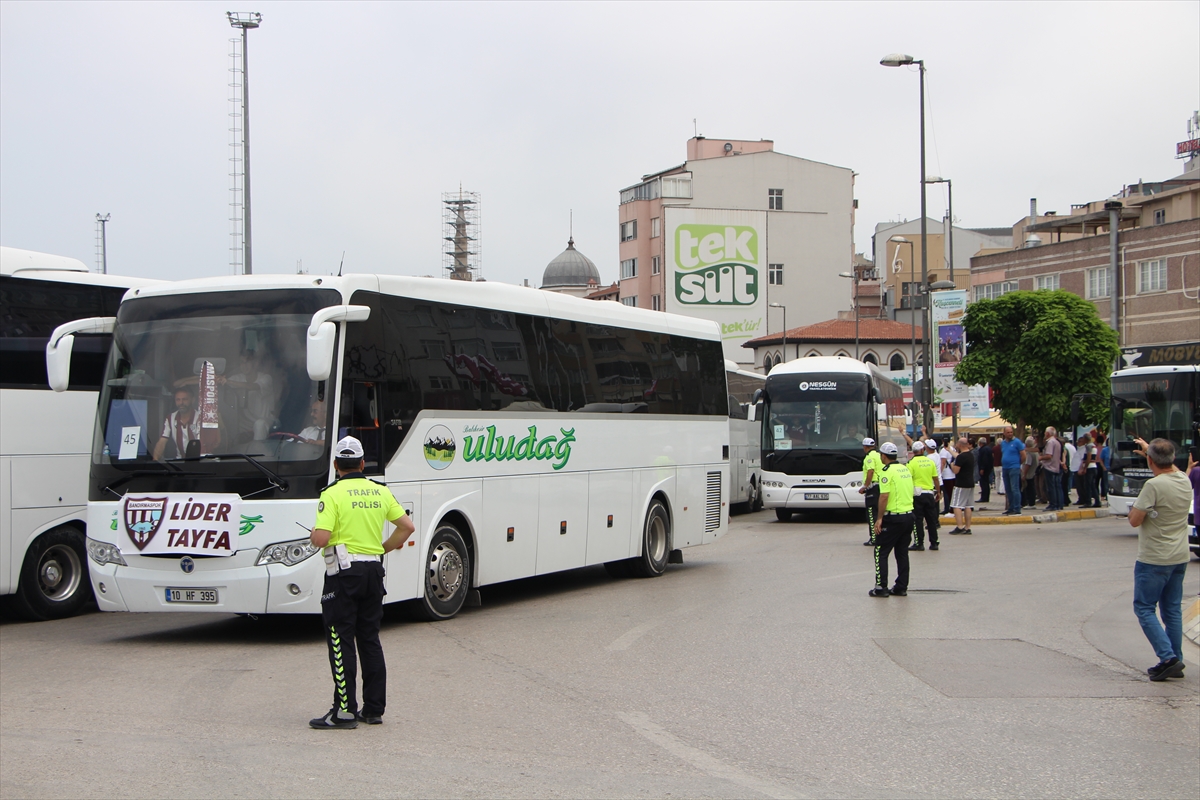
(245,22)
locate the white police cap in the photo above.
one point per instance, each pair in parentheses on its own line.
(888,449)
(868,442)
(918,445)
(348,447)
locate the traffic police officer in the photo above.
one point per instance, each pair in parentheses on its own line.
(872,467)
(893,527)
(927,490)
(349,528)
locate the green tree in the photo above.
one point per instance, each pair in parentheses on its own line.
(1036,350)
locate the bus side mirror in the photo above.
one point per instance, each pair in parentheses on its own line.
(62,341)
(322,335)
(881,412)
(758,393)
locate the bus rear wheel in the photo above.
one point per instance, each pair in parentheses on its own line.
(656,543)
(54,579)
(447,575)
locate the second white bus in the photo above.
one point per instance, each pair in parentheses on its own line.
(816,413)
(524,431)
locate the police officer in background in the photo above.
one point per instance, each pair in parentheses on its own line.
(893,528)
(927,490)
(872,467)
(350,522)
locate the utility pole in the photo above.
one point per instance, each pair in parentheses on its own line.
(245,21)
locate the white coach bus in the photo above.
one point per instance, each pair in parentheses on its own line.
(45,438)
(745,445)
(816,413)
(524,431)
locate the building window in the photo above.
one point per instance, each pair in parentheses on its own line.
(775,274)
(655,228)
(775,199)
(629,301)
(990,291)
(655,265)
(1152,276)
(629,230)
(778,359)
(656,302)
(643,191)
(629,268)
(679,185)
(896,363)
(1160,216)
(869,358)
(1046,281)
(768,362)
(1097,283)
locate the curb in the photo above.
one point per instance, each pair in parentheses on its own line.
(1191,620)
(1054,516)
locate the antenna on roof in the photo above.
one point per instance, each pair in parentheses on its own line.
(340,263)
(571,225)
(695,130)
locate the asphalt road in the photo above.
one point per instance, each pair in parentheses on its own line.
(759,668)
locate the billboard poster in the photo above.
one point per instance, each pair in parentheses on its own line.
(950,344)
(716,269)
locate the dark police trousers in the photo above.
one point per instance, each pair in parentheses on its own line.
(352,608)
(896,533)
(872,500)
(925,516)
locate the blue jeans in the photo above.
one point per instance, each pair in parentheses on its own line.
(1012,488)
(1054,490)
(1161,586)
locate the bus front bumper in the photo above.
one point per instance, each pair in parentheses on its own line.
(811,497)
(240,587)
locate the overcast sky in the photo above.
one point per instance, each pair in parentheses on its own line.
(363,114)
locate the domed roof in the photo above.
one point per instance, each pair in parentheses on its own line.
(570,268)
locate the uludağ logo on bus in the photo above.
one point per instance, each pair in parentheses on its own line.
(715,265)
(439,447)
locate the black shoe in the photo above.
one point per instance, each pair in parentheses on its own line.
(933,546)
(868,543)
(917,547)
(956,531)
(370,719)
(879,591)
(332,721)
(965,531)
(1171,668)
(899,592)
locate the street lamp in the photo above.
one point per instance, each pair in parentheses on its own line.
(854,277)
(902,60)
(912,320)
(245,22)
(784,308)
(950,213)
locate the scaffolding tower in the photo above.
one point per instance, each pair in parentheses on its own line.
(460,229)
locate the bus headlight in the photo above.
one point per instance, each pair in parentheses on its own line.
(104,553)
(286,553)
(773,484)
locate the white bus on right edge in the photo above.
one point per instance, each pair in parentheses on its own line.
(816,412)
(1159,402)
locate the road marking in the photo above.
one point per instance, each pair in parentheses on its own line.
(844,575)
(701,760)
(630,636)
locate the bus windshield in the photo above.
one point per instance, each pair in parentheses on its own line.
(825,412)
(194,377)
(1154,407)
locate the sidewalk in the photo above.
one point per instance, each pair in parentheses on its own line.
(991,513)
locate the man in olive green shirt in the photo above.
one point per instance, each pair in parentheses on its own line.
(893,527)
(1160,515)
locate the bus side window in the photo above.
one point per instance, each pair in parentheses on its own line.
(360,419)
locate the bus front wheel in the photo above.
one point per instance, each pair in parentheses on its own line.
(54,580)
(783,515)
(447,575)
(656,543)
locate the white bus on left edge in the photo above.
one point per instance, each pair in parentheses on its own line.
(45,438)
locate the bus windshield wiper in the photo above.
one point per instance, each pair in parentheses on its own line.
(276,481)
(138,473)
